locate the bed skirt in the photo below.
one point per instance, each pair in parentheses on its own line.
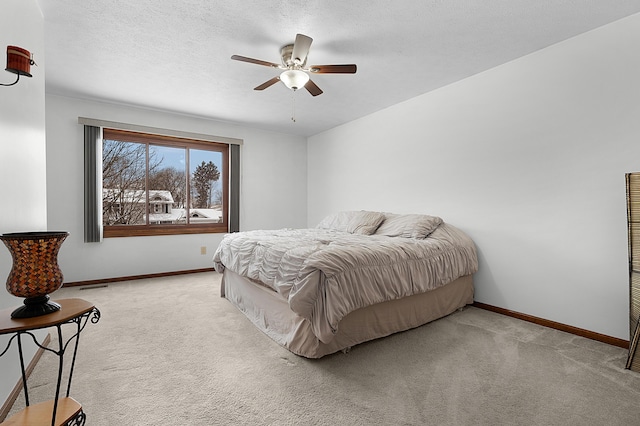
(271,314)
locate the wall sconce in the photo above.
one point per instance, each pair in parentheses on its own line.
(19,62)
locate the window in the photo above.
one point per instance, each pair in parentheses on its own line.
(163,185)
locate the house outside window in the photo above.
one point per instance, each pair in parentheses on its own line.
(163,185)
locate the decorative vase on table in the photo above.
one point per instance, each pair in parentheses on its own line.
(35,272)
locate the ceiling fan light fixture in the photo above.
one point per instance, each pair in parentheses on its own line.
(294,79)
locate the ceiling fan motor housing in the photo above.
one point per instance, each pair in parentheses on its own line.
(287,60)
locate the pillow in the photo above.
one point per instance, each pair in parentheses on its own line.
(354,222)
(408,225)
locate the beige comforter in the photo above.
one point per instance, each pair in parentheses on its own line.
(326,274)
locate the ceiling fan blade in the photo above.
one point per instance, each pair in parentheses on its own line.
(269,83)
(254,61)
(333,69)
(301,48)
(313,88)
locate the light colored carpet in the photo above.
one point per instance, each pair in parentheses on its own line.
(170,351)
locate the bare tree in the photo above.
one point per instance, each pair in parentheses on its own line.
(172,180)
(124,168)
(216,194)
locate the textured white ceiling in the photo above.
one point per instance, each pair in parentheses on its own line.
(174,55)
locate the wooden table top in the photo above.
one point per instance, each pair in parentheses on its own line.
(40,414)
(70,308)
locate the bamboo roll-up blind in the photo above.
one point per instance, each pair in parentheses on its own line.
(633,232)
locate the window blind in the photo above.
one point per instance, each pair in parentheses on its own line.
(234,188)
(92,185)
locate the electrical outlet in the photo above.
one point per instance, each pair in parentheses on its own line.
(203,250)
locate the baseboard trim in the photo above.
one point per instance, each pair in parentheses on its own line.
(135,277)
(614,341)
(13,395)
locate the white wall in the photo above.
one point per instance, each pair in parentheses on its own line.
(23,205)
(272,191)
(528,158)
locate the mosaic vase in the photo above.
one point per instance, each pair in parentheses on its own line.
(35,272)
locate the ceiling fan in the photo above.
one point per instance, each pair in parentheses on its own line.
(294,63)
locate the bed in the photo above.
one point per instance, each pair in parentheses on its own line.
(357,276)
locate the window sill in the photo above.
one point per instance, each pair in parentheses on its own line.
(146,231)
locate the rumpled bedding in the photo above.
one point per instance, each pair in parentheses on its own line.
(325,274)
